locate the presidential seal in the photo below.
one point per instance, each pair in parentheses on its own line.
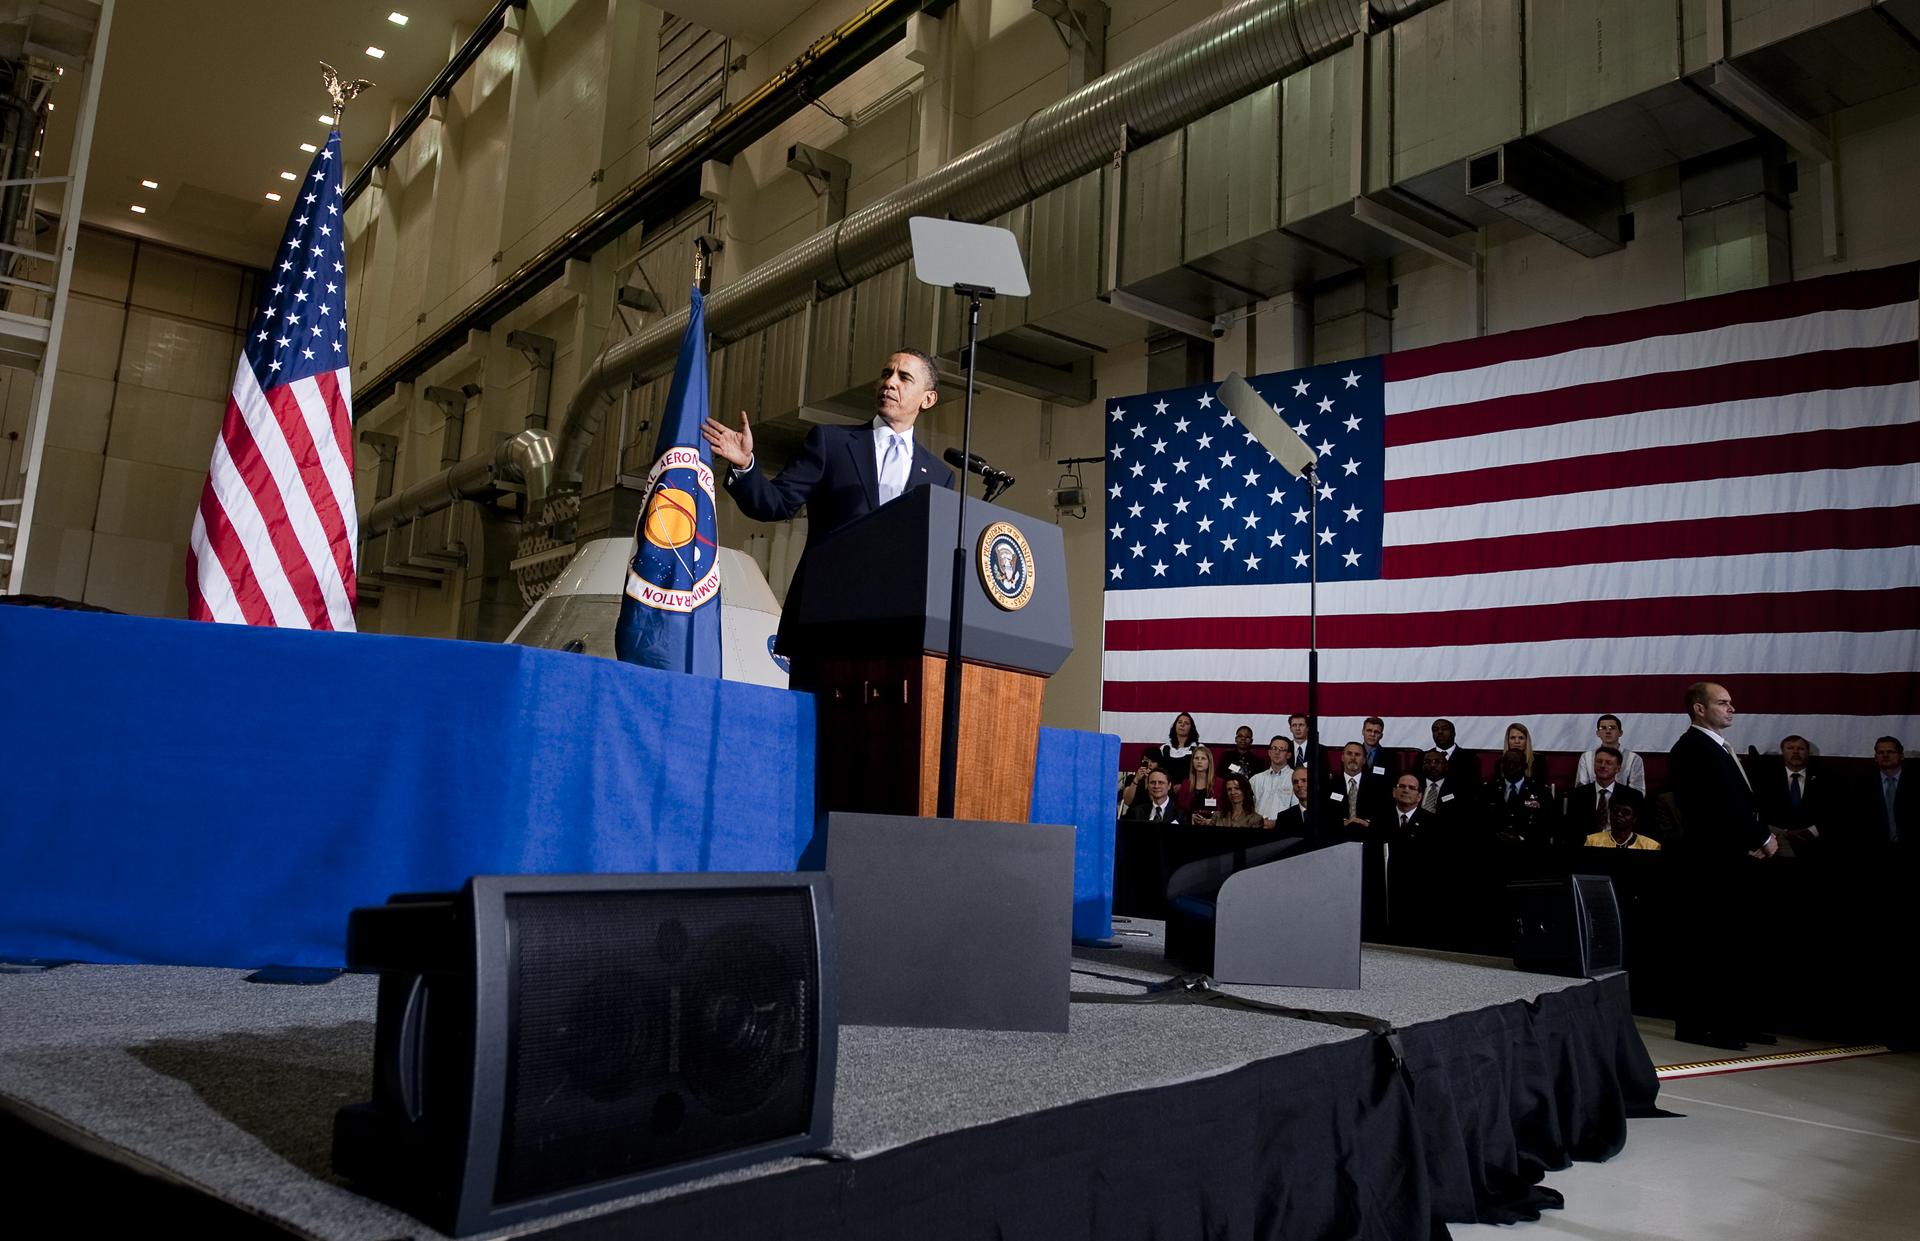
(1006,566)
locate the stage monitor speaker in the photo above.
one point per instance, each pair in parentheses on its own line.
(1569,927)
(548,1042)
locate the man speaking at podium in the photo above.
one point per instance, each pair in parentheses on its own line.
(840,473)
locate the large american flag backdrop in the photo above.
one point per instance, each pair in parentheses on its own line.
(275,536)
(1543,526)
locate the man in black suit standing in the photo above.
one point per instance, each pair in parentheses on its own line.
(1715,800)
(1892,810)
(840,473)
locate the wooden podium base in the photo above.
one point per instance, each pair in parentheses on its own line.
(880,722)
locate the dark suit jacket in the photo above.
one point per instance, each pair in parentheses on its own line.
(1459,802)
(1776,809)
(1714,802)
(1578,811)
(834,477)
(1463,767)
(1872,810)
(1314,830)
(1376,796)
(1142,809)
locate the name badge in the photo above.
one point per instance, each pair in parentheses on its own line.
(1379,771)
(1336,797)
(1446,797)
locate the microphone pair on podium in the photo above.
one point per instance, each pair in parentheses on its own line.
(975,463)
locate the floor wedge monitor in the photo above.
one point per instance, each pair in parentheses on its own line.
(548,1042)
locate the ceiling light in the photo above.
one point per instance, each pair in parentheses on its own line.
(287,176)
(398,19)
(272,197)
(138,209)
(328,120)
(376,52)
(149,185)
(308,147)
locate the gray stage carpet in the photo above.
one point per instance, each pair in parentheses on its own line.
(201,1077)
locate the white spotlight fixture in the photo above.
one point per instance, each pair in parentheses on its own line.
(308,147)
(137,209)
(149,185)
(376,52)
(272,197)
(328,120)
(287,176)
(398,19)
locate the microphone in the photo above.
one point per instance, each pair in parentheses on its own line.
(974,463)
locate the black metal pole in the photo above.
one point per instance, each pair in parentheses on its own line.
(1315,772)
(950,716)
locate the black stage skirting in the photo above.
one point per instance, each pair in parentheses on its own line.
(133,1094)
(1832,927)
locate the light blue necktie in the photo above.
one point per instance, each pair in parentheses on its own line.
(1887,787)
(893,468)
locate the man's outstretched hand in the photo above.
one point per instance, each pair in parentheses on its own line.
(732,446)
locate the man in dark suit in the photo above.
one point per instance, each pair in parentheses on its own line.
(1356,796)
(1449,801)
(1891,810)
(1313,827)
(1463,765)
(1589,807)
(1158,806)
(840,473)
(1796,802)
(1723,831)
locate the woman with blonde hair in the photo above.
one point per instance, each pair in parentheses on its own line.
(1518,738)
(1200,793)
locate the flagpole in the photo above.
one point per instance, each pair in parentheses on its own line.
(1314,773)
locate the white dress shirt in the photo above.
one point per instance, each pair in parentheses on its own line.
(1273,792)
(1633,772)
(891,488)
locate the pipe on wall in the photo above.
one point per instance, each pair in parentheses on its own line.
(1207,66)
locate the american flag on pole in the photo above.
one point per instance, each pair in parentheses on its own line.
(275,537)
(1543,526)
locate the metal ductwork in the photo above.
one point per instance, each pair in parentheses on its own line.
(1550,195)
(1221,59)
(524,460)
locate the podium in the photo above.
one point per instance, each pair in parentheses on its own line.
(867,635)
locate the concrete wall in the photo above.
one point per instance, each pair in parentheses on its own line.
(152,336)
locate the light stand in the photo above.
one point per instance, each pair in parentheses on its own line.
(978,262)
(950,713)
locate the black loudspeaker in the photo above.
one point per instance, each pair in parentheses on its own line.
(547,1042)
(1569,927)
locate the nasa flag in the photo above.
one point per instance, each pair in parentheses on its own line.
(670,613)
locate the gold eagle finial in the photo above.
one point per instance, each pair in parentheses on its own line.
(342,93)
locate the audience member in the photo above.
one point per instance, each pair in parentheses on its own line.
(1359,796)
(1622,830)
(1302,820)
(1518,738)
(1158,806)
(1514,803)
(1408,819)
(1633,772)
(1297,725)
(1199,794)
(1242,757)
(1463,765)
(1715,802)
(1370,734)
(1134,782)
(1589,807)
(1178,750)
(1442,796)
(1894,806)
(1794,800)
(1238,808)
(1273,788)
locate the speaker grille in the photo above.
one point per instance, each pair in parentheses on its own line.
(649,1028)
